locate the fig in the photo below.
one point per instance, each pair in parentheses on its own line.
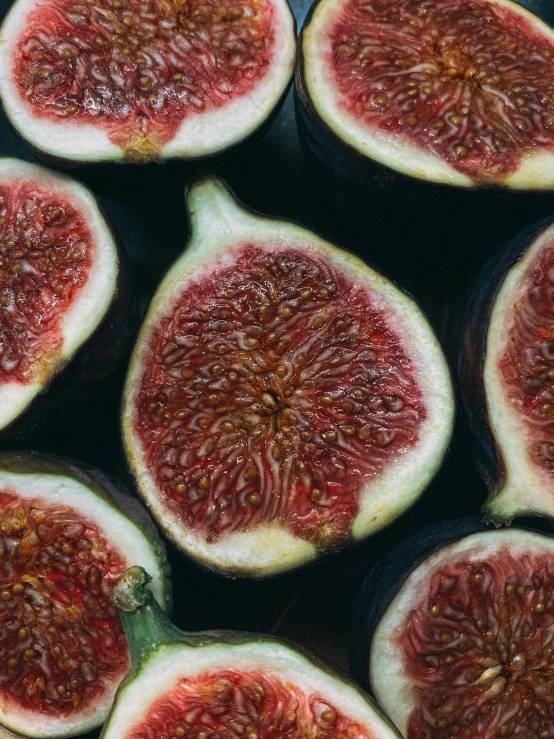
(62,291)
(225,683)
(506,371)
(464,646)
(458,94)
(67,533)
(283,398)
(138,80)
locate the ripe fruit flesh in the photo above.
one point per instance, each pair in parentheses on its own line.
(226,684)
(230,703)
(60,281)
(470,630)
(131,73)
(65,537)
(465,91)
(528,364)
(140,71)
(62,639)
(506,369)
(277,393)
(45,255)
(275,388)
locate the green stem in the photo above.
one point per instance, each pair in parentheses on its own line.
(146,625)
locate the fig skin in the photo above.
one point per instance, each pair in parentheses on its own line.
(108,489)
(148,630)
(103,353)
(451,230)
(103,485)
(231,151)
(469,352)
(384,580)
(384,513)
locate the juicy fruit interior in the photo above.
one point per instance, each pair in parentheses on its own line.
(250,705)
(479,649)
(527,365)
(270,394)
(139,67)
(61,640)
(471,82)
(45,258)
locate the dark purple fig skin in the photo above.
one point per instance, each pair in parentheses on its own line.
(102,484)
(70,394)
(152,169)
(443,233)
(471,339)
(384,580)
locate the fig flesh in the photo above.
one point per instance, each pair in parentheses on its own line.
(122,79)
(505,369)
(283,398)
(449,93)
(60,284)
(226,683)
(67,533)
(464,647)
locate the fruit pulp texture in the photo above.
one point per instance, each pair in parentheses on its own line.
(272,392)
(45,258)
(61,640)
(527,366)
(479,649)
(137,68)
(471,82)
(250,705)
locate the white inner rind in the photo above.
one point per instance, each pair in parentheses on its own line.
(82,317)
(126,538)
(199,135)
(526,487)
(535,171)
(220,226)
(390,682)
(170,664)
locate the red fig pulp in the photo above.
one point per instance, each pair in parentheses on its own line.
(451,92)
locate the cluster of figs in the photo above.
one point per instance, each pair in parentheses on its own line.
(283,399)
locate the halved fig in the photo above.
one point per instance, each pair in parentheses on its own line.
(225,683)
(283,398)
(452,93)
(61,287)
(506,368)
(67,533)
(465,645)
(108,80)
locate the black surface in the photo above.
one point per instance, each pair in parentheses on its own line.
(146,206)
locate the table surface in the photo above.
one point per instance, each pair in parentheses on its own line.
(311,606)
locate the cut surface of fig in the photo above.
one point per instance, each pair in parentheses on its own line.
(283,397)
(508,351)
(229,684)
(115,79)
(64,542)
(464,648)
(456,93)
(59,272)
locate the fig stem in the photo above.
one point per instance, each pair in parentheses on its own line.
(146,625)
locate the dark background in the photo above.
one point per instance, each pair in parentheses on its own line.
(311,606)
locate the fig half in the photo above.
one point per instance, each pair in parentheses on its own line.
(67,533)
(108,80)
(224,683)
(61,287)
(506,369)
(465,646)
(460,94)
(283,398)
